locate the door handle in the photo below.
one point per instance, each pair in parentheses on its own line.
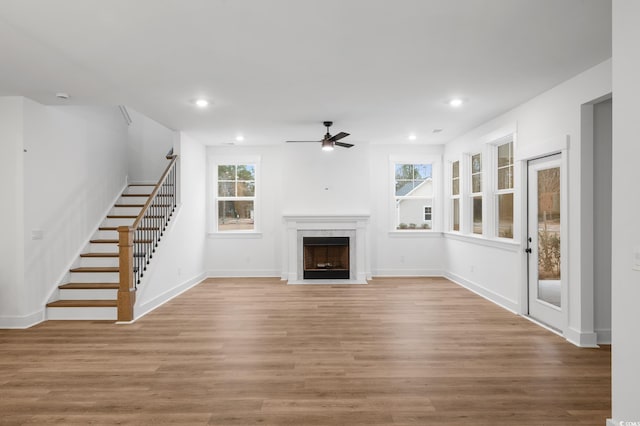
(527,250)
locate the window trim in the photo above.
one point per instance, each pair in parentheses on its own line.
(436,211)
(453,197)
(508,139)
(214,162)
(481,194)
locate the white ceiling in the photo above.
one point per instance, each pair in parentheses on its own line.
(275,69)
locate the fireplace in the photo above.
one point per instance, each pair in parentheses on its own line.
(326,258)
(351,231)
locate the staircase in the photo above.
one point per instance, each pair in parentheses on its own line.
(92,290)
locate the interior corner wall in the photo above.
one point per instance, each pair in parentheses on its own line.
(178,262)
(12,299)
(74,168)
(554,114)
(148,144)
(626,204)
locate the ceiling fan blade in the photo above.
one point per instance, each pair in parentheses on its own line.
(338,136)
(303,141)
(344,145)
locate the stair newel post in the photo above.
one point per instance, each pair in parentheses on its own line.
(127,289)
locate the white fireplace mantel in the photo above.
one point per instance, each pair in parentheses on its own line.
(354,226)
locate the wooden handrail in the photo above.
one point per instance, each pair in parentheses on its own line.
(152,197)
(133,258)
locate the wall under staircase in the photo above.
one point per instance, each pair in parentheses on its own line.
(91,290)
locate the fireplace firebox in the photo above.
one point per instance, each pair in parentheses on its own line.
(326,258)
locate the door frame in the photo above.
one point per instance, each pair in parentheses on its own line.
(558,145)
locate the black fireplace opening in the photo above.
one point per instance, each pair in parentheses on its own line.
(326,258)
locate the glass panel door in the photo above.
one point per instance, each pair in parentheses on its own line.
(545,224)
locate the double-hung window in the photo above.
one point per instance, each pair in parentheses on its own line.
(455,196)
(504,190)
(236,197)
(413,196)
(476,193)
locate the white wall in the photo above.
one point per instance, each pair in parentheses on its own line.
(602,220)
(258,255)
(71,170)
(302,179)
(178,262)
(74,167)
(398,253)
(13,312)
(544,119)
(148,144)
(626,204)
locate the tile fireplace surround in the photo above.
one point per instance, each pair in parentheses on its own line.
(299,226)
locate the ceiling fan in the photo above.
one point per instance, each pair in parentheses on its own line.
(328,142)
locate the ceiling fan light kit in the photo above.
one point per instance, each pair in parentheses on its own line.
(329,142)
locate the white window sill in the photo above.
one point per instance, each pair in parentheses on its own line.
(411,233)
(499,243)
(231,234)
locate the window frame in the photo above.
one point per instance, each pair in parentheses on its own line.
(510,139)
(436,214)
(479,194)
(214,163)
(453,197)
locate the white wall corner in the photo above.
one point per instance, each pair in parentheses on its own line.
(505,303)
(581,339)
(23,321)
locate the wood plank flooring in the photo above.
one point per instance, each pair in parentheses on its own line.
(399,351)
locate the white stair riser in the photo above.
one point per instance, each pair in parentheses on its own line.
(103,248)
(106,235)
(108,222)
(133,200)
(82,313)
(126,210)
(98,261)
(94,277)
(88,294)
(147,189)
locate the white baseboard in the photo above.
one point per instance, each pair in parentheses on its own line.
(161,299)
(507,304)
(581,339)
(243,273)
(604,336)
(611,422)
(407,273)
(23,321)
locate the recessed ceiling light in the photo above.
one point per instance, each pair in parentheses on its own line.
(456,102)
(412,137)
(239,138)
(202,103)
(437,130)
(62,95)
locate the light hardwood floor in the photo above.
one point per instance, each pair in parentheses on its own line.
(399,351)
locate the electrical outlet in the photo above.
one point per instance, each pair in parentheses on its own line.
(36,234)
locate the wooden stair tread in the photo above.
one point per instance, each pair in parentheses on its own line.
(89,286)
(95,254)
(128,205)
(135,195)
(83,304)
(96,269)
